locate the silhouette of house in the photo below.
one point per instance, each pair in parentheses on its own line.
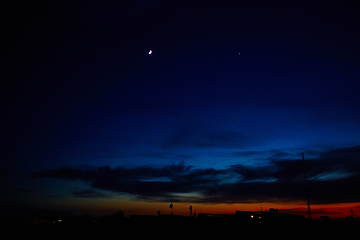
(248,217)
(274,217)
(214,215)
(271,217)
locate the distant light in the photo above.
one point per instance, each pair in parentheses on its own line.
(252,216)
(150,52)
(59,220)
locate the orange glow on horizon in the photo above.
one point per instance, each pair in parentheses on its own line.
(129,206)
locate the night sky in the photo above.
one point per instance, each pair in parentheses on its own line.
(216,117)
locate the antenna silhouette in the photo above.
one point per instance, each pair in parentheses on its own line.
(307,189)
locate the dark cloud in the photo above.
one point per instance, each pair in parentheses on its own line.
(266,155)
(165,155)
(85,173)
(24,190)
(271,154)
(333,177)
(89,193)
(200,136)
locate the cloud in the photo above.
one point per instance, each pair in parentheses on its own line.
(333,177)
(202,137)
(88,193)
(24,190)
(165,155)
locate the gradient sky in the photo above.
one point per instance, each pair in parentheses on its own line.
(217,117)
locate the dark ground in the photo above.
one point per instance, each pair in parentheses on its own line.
(182,227)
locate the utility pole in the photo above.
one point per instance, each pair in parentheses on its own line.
(307,189)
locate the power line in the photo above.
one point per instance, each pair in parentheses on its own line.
(307,188)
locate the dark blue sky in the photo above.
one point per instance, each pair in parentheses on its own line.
(232,95)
